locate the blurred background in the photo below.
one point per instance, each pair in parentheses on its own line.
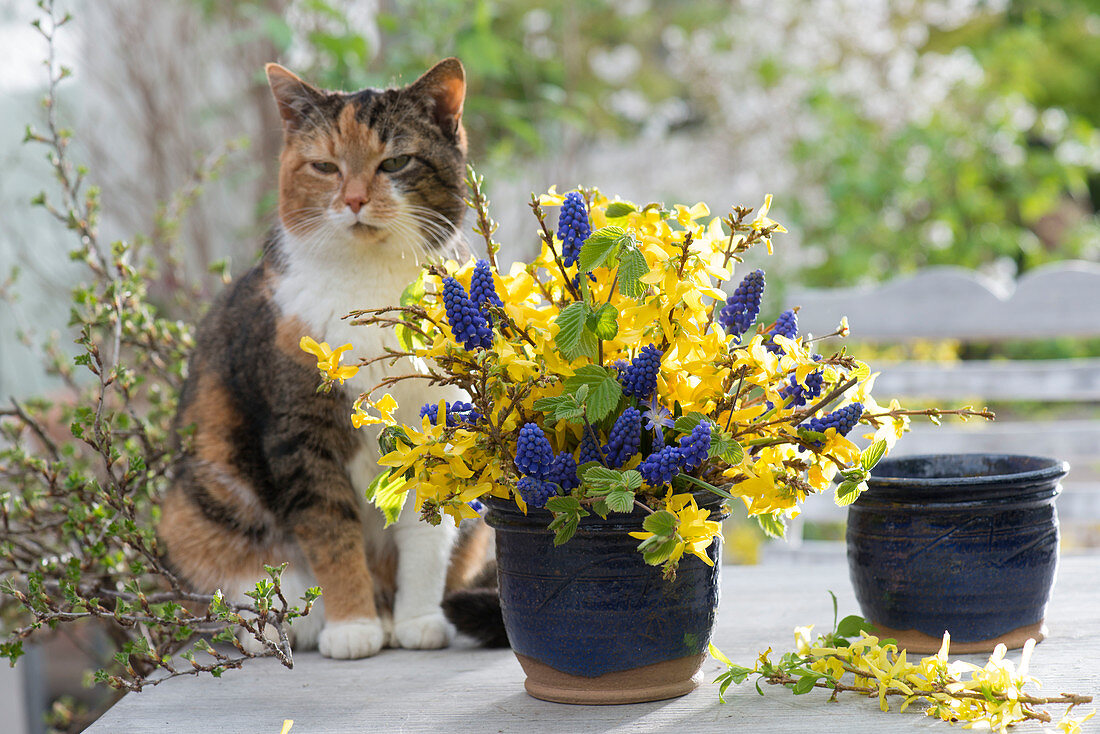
(893,136)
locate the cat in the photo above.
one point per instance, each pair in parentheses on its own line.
(370,184)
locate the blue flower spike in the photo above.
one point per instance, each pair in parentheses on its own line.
(743,306)
(535,492)
(786,325)
(625,438)
(659,467)
(573,227)
(843,420)
(467,323)
(695,446)
(640,378)
(534,454)
(483,290)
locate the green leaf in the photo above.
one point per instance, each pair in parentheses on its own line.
(774,526)
(571,328)
(725,447)
(852,625)
(600,477)
(662,523)
(551,404)
(563,504)
(620,500)
(873,455)
(619,209)
(686,423)
(632,479)
(602,247)
(632,267)
(605,322)
(805,684)
(604,389)
(849,492)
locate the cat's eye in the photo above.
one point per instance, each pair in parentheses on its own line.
(326,167)
(394,164)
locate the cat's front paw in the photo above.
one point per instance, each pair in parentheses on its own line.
(351,639)
(426,632)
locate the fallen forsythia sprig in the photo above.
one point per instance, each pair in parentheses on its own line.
(954,691)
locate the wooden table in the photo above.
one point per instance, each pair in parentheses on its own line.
(465,689)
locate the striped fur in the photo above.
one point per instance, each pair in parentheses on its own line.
(370,183)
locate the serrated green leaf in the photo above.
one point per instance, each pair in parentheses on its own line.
(604,389)
(620,500)
(600,477)
(658,549)
(601,248)
(873,455)
(551,404)
(563,504)
(661,523)
(571,326)
(726,448)
(605,322)
(632,267)
(632,479)
(619,209)
(686,423)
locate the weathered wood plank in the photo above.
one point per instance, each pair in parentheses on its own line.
(1056,379)
(947,302)
(1076,441)
(470,690)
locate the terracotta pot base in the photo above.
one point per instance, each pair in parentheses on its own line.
(918,642)
(655,682)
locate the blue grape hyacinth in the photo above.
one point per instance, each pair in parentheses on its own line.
(535,492)
(786,325)
(625,438)
(743,306)
(799,394)
(843,420)
(590,450)
(467,323)
(640,378)
(573,227)
(483,290)
(457,412)
(533,452)
(695,446)
(563,471)
(659,467)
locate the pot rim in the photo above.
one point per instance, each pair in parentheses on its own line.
(1050,469)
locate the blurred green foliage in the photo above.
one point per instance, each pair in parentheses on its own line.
(977,180)
(530,83)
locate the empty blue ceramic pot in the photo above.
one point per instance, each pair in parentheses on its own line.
(588,614)
(966,543)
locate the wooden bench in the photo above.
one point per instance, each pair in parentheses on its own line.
(948,303)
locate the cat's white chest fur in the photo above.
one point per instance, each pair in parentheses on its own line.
(319,289)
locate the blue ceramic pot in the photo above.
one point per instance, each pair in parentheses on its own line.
(966,543)
(589,620)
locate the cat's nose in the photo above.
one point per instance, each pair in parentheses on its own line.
(355,195)
(355,202)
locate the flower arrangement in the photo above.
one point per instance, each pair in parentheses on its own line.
(614,373)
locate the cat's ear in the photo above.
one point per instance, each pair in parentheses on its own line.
(294,97)
(446,84)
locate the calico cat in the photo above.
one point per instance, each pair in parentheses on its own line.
(370,184)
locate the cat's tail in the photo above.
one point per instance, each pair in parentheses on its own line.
(475,611)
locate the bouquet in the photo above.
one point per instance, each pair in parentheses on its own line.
(615,373)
